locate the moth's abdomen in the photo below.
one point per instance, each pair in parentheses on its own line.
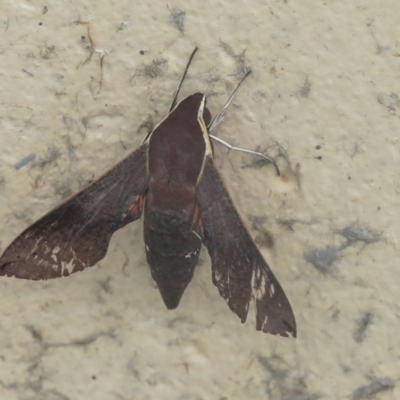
(172,250)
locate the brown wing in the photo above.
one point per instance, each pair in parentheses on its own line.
(239,270)
(76,234)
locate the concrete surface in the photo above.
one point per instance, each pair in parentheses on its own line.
(323,95)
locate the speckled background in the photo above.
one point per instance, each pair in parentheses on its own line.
(323,96)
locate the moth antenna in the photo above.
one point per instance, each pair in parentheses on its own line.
(173,104)
(220,116)
(257,153)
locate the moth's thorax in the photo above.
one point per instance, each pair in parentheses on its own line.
(177,146)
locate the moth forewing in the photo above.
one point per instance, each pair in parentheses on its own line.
(239,270)
(76,234)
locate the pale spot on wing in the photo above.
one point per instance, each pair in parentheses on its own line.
(68,266)
(56,250)
(41,262)
(54,253)
(217,275)
(193,253)
(264,323)
(36,245)
(271,290)
(258,284)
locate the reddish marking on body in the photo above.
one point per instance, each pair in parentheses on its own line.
(137,207)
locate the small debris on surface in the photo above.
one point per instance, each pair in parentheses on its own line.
(26,160)
(378,384)
(321,258)
(354,232)
(362,325)
(51,155)
(177,18)
(153,70)
(305,89)
(390,101)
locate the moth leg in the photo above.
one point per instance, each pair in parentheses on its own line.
(257,153)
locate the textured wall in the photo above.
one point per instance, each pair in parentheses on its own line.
(324,95)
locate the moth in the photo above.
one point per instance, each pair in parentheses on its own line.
(172,179)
